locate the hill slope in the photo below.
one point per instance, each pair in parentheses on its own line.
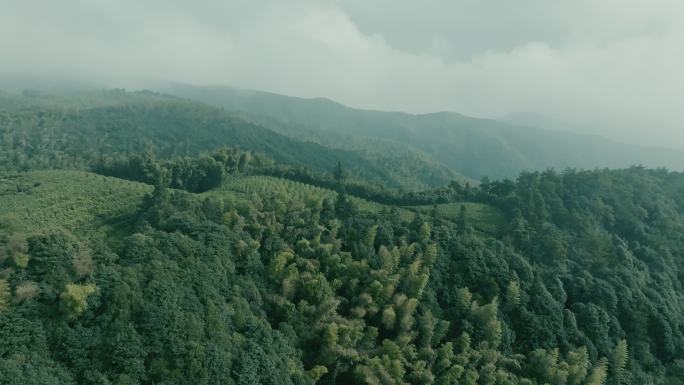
(574,277)
(73,200)
(279,287)
(69,131)
(470,146)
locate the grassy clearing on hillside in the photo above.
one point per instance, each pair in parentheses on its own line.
(264,185)
(481,216)
(44,200)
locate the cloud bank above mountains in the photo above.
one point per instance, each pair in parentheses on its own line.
(609,67)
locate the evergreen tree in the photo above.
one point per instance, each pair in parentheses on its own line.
(339,173)
(461,220)
(619,362)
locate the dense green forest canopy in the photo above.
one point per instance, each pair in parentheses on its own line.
(136,249)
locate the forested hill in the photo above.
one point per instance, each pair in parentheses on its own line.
(107,281)
(73,130)
(470,146)
(135,249)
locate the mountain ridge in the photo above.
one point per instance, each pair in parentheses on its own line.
(474,147)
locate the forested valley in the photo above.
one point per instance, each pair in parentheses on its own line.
(149,239)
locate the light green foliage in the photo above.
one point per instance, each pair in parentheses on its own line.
(463,299)
(389,317)
(279,262)
(26,290)
(406,308)
(482,217)
(464,342)
(20,259)
(66,199)
(5,295)
(430,254)
(271,187)
(618,361)
(578,361)
(73,301)
(599,373)
(486,317)
(549,367)
(317,372)
(370,236)
(513,293)
(83,261)
(470,377)
(15,247)
(425,231)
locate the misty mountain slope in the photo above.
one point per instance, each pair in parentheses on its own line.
(403,161)
(76,130)
(290,117)
(473,147)
(103,123)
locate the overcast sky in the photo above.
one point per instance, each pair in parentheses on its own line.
(613,67)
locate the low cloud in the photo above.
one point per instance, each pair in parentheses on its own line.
(614,68)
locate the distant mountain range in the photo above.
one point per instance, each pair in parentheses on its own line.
(469,146)
(396,149)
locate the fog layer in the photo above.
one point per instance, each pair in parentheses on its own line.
(609,67)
